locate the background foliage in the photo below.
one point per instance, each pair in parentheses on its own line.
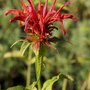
(71,57)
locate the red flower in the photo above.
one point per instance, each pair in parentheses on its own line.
(39,22)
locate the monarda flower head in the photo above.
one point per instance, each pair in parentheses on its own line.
(39,23)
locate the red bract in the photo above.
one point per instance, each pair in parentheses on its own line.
(39,22)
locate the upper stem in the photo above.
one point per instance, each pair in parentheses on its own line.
(29,67)
(39,59)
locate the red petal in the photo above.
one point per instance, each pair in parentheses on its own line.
(40,16)
(62,28)
(40,9)
(45,9)
(41,26)
(17,18)
(13,11)
(34,28)
(31,3)
(27,23)
(65,16)
(33,10)
(48,17)
(51,11)
(24,7)
(53,5)
(59,10)
(49,45)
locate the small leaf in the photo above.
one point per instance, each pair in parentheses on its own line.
(16,43)
(49,83)
(32,86)
(16,88)
(62,76)
(15,54)
(24,46)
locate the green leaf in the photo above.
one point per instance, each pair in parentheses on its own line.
(13,53)
(32,86)
(62,76)
(49,83)
(16,88)
(16,42)
(24,46)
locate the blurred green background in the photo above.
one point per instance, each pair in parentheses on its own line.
(71,57)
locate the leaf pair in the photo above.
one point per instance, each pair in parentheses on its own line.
(46,86)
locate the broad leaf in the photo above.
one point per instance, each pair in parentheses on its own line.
(16,88)
(49,83)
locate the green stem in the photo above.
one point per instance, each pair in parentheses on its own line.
(64,86)
(29,67)
(39,59)
(28,75)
